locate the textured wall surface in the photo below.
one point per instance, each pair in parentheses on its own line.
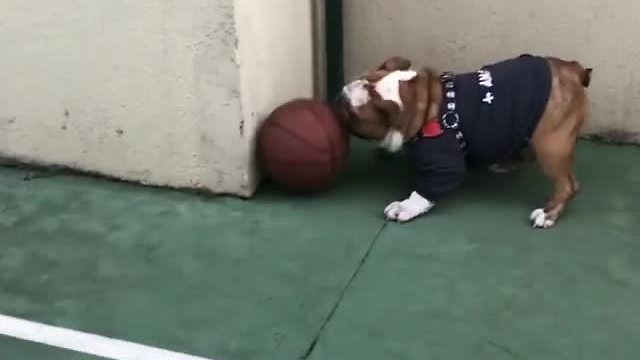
(275,55)
(159,92)
(462,35)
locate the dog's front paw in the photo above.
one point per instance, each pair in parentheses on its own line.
(393,210)
(541,220)
(403,211)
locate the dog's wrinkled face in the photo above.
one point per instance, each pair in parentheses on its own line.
(360,115)
(359,106)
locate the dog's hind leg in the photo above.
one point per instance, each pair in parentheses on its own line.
(554,143)
(556,162)
(555,138)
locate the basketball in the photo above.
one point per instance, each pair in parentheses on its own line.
(302,146)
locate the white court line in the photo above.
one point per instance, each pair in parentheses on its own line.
(84,342)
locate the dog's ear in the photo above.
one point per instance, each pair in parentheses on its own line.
(391,64)
(395,63)
(375,76)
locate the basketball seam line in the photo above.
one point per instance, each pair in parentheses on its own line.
(331,145)
(303,140)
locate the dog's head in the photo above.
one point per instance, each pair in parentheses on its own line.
(359,113)
(375,106)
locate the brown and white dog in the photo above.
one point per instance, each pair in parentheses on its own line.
(490,114)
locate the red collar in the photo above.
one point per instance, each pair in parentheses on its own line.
(432,128)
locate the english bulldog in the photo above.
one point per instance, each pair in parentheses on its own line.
(449,122)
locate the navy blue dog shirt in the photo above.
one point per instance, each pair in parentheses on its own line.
(498,108)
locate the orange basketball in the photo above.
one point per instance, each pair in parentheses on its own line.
(302,145)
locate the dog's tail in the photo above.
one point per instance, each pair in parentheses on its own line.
(583,73)
(586,77)
(572,69)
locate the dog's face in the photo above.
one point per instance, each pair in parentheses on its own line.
(361,116)
(361,108)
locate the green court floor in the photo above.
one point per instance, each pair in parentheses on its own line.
(324,277)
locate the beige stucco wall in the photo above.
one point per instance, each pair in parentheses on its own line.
(275,56)
(461,35)
(160,92)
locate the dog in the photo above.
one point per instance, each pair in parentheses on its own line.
(450,122)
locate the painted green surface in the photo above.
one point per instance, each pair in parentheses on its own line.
(473,282)
(243,280)
(221,278)
(12,349)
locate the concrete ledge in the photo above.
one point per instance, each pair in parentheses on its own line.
(161,93)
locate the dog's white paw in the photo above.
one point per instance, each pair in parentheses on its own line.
(394,210)
(408,209)
(540,219)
